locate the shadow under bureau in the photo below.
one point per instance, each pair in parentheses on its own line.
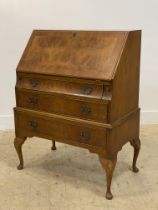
(80,88)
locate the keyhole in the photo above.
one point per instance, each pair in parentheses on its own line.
(74,34)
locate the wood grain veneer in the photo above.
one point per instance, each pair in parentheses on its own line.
(80,88)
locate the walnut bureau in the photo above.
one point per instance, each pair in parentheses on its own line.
(80,88)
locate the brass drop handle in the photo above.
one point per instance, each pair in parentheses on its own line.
(85,110)
(87,90)
(34,82)
(33,124)
(33,100)
(84,136)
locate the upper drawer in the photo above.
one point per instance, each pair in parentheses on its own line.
(56,85)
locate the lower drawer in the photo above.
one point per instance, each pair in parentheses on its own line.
(31,123)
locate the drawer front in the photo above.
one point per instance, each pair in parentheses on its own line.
(60,86)
(54,103)
(32,124)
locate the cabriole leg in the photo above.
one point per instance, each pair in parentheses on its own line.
(53,145)
(109,166)
(136,145)
(18,142)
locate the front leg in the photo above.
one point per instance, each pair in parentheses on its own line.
(18,142)
(109,166)
(136,145)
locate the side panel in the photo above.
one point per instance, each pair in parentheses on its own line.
(121,134)
(125,88)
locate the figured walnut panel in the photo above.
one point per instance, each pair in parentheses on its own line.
(84,54)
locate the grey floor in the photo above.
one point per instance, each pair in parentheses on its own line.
(71,178)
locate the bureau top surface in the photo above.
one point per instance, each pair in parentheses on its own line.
(80,54)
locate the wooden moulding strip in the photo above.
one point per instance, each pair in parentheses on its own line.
(63,78)
(79,121)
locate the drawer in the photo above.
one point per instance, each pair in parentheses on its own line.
(32,123)
(55,103)
(60,85)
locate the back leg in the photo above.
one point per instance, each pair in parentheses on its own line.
(53,145)
(136,145)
